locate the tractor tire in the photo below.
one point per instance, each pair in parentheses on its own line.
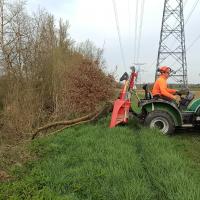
(160,120)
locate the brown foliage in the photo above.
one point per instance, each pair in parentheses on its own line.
(46,77)
(88,86)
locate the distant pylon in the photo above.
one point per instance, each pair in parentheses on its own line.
(171,51)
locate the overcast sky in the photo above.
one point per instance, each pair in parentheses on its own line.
(95,20)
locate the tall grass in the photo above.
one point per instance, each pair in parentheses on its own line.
(170,173)
(95,162)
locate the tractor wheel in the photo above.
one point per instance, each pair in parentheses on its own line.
(160,120)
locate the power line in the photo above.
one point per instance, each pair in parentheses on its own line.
(136,30)
(140,29)
(118,31)
(187,19)
(186,22)
(194,42)
(191,45)
(190,13)
(129,23)
(192,10)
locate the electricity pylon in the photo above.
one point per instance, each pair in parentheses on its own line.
(139,78)
(171,50)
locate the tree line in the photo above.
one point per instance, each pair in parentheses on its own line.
(44,74)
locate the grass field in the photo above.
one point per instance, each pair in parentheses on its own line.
(95,162)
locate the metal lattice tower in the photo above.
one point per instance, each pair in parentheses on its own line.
(171,50)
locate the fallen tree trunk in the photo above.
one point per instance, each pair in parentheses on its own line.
(88,118)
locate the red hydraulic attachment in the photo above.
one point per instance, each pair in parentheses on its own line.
(122,105)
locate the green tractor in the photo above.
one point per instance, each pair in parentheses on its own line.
(156,113)
(167,116)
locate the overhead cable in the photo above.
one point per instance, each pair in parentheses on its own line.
(186,21)
(192,10)
(136,31)
(140,30)
(118,31)
(193,43)
(129,24)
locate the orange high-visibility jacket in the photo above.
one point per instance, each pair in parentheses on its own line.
(160,88)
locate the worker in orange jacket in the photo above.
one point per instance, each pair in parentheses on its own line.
(160,89)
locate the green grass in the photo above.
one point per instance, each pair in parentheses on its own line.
(95,162)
